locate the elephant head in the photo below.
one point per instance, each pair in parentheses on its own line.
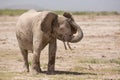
(62,27)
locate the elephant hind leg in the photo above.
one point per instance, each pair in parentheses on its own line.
(25,58)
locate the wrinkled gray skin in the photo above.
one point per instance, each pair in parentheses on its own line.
(37,29)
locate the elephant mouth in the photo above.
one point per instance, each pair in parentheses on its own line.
(60,37)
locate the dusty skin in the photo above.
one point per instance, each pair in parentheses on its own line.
(97,56)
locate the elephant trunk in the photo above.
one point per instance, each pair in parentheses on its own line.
(79,35)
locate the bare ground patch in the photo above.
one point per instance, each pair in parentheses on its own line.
(97,56)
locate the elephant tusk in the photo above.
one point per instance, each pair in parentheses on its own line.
(67,45)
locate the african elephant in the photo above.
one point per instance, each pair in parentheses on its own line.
(37,29)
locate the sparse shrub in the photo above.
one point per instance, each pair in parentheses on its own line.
(93,61)
(59,12)
(11,12)
(117,61)
(30,63)
(14,12)
(44,66)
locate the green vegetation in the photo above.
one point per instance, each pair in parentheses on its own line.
(59,12)
(30,63)
(117,61)
(12,12)
(99,61)
(93,61)
(96,13)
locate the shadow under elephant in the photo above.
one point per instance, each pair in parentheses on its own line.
(68,73)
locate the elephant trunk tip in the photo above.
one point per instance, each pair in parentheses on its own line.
(77,38)
(79,35)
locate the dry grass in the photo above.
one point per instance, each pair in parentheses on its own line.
(96,57)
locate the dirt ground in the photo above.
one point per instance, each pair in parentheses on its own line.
(97,56)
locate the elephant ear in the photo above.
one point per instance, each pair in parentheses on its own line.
(48,21)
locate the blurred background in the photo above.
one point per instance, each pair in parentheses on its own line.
(61,5)
(69,5)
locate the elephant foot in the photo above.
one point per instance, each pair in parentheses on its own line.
(25,69)
(36,70)
(51,69)
(51,72)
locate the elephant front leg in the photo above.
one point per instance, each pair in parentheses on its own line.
(52,54)
(36,63)
(36,59)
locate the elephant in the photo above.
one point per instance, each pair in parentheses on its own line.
(34,30)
